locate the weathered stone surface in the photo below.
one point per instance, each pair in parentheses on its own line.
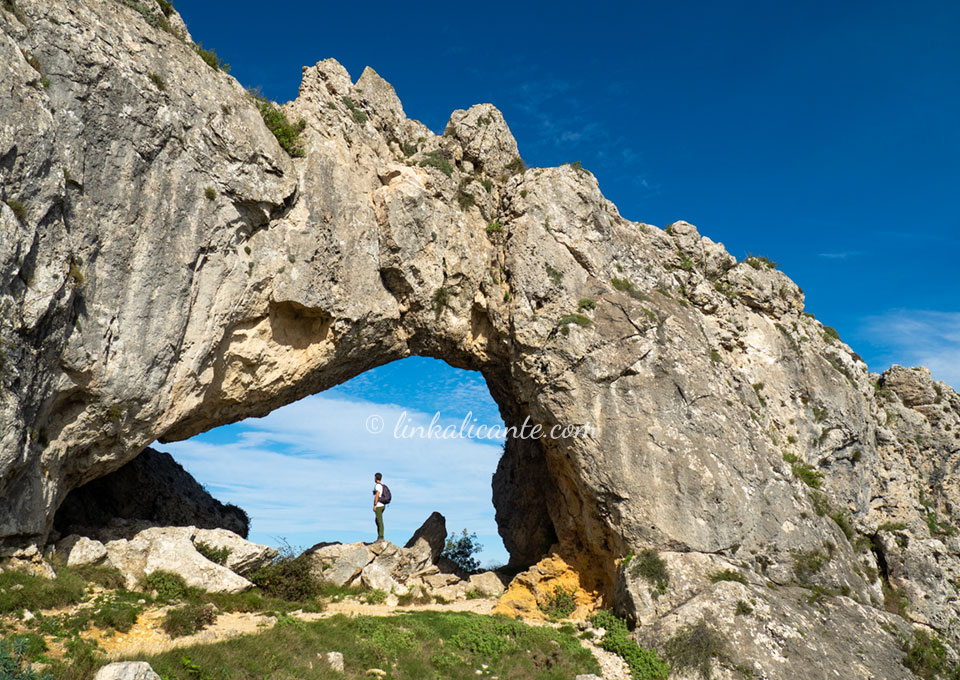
(152,487)
(127,670)
(171,549)
(335,660)
(80,550)
(244,555)
(427,542)
(486,582)
(341,565)
(157,313)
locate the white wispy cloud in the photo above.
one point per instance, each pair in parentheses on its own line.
(838,256)
(305,472)
(919,338)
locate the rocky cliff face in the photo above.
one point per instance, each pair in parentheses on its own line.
(168,268)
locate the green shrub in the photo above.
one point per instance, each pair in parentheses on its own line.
(743,608)
(461,551)
(212,553)
(939,528)
(715,356)
(438,159)
(287,578)
(926,656)
(586,304)
(760,262)
(358,115)
(409,149)
(804,472)
(651,567)
(561,604)
(644,664)
(727,575)
(188,619)
(494,227)
(806,564)
(625,285)
(211,58)
(830,334)
(45,83)
(555,274)
(843,521)
(287,134)
(441,300)
(474,594)
(516,166)
(15,660)
(157,80)
(375,596)
(115,614)
(210,193)
(695,646)
(576,165)
(169,586)
(577,319)
(18,208)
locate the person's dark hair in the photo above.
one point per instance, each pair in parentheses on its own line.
(378,476)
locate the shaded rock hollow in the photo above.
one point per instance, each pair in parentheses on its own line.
(168,268)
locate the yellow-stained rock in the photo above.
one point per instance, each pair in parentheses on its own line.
(532,589)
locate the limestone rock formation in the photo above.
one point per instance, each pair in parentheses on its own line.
(167,268)
(127,670)
(152,487)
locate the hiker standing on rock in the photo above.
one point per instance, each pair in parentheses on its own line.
(381,496)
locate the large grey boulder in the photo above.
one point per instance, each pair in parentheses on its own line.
(171,549)
(126,670)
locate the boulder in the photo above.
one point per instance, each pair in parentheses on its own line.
(335,661)
(487,582)
(428,541)
(171,549)
(127,670)
(341,565)
(80,550)
(244,556)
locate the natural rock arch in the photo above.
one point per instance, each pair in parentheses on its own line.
(172,269)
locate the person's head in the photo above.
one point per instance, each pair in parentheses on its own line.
(378,477)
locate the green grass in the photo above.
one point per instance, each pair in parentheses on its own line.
(287,134)
(648,565)
(926,656)
(188,619)
(626,286)
(516,166)
(494,227)
(694,647)
(416,645)
(727,575)
(441,300)
(644,664)
(715,356)
(806,564)
(438,159)
(576,319)
(830,334)
(743,608)
(19,591)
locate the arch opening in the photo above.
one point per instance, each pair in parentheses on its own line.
(303,471)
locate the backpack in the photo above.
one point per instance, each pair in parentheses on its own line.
(385,496)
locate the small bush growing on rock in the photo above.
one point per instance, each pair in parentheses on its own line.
(804,472)
(806,564)
(625,285)
(652,568)
(694,647)
(212,553)
(586,304)
(555,274)
(157,80)
(743,608)
(926,656)
(728,575)
(494,227)
(287,134)
(644,664)
(188,619)
(358,116)
(461,550)
(577,319)
(15,660)
(760,262)
(210,193)
(516,166)
(561,604)
(438,159)
(166,7)
(211,58)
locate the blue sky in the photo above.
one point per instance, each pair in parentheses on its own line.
(823,135)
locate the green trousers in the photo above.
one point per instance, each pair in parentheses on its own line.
(378,511)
